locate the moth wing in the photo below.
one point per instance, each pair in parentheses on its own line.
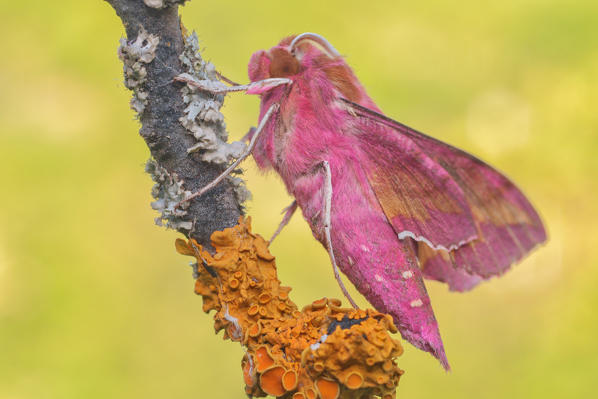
(382,267)
(507,225)
(419,198)
(440,265)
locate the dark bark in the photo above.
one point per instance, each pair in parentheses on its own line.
(166,138)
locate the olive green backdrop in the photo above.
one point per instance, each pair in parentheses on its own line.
(94,301)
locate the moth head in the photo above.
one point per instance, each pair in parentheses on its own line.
(285,59)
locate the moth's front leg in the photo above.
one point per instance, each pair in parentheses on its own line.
(235,164)
(217,87)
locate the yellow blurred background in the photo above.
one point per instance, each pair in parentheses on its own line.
(94,301)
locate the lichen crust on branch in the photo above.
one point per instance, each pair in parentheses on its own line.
(168,192)
(155,52)
(323,350)
(202,117)
(134,56)
(159,4)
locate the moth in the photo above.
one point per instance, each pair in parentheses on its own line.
(391,205)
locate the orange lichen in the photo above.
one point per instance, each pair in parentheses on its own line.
(328,389)
(319,304)
(248,375)
(252,311)
(323,351)
(254,330)
(319,367)
(289,380)
(271,381)
(233,283)
(183,247)
(354,380)
(262,359)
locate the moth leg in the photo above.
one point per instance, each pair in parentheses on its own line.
(289,211)
(235,164)
(217,87)
(247,137)
(225,79)
(327,226)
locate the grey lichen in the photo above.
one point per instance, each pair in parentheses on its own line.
(158,4)
(242,194)
(202,117)
(134,56)
(168,192)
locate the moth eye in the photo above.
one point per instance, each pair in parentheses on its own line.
(283,64)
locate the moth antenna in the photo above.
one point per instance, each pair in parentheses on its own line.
(332,52)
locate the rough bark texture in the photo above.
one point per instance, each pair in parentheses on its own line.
(161,129)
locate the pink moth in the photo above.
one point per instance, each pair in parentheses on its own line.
(391,205)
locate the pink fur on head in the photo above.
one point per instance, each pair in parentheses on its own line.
(259,66)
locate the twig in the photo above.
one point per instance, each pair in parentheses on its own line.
(161,129)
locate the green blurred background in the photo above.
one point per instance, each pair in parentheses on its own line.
(94,301)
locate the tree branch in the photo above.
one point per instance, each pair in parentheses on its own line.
(156,51)
(321,351)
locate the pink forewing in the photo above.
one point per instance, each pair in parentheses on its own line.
(382,267)
(420,199)
(508,227)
